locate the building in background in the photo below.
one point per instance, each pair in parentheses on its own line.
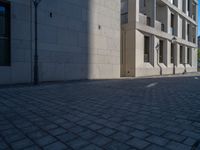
(158,37)
(77,39)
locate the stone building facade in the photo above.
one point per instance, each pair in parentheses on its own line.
(158,37)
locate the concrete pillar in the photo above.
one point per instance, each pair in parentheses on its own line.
(176,24)
(180,4)
(176,54)
(151,12)
(167,49)
(196,12)
(133,11)
(168,20)
(186,30)
(186,7)
(194,58)
(190,33)
(184,55)
(154,55)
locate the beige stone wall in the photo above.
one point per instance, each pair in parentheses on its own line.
(77,39)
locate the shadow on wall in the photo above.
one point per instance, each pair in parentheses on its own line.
(70,35)
(63,39)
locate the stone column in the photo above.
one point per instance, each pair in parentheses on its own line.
(168,28)
(176,54)
(167,49)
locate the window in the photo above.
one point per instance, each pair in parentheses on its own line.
(4,34)
(188,55)
(172,53)
(146,48)
(144,3)
(124,11)
(161,52)
(188,31)
(172,24)
(181,54)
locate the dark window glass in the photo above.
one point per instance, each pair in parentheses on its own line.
(146,48)
(172,20)
(181,54)
(124,11)
(161,52)
(4,34)
(172,53)
(188,55)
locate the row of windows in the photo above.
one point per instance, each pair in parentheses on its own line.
(190,10)
(161,52)
(4,34)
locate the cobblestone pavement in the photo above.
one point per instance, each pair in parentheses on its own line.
(149,114)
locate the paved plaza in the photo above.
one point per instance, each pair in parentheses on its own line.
(127,114)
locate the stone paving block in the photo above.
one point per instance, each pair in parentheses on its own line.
(125,129)
(95,126)
(121,137)
(140,134)
(106,131)
(68,125)
(88,134)
(191,134)
(3,145)
(38,134)
(189,141)
(56,146)
(91,147)
(57,131)
(100,140)
(78,143)
(50,127)
(173,129)
(156,131)
(117,146)
(21,144)
(14,137)
(155,147)
(157,140)
(77,129)
(139,126)
(175,137)
(45,140)
(67,137)
(137,143)
(33,147)
(84,122)
(177,146)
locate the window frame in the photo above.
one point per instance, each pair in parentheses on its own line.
(161,51)
(7,6)
(147,49)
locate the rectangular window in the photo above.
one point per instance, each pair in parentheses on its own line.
(172,24)
(188,55)
(144,3)
(172,20)
(124,11)
(4,34)
(172,53)
(146,48)
(181,54)
(188,31)
(161,52)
